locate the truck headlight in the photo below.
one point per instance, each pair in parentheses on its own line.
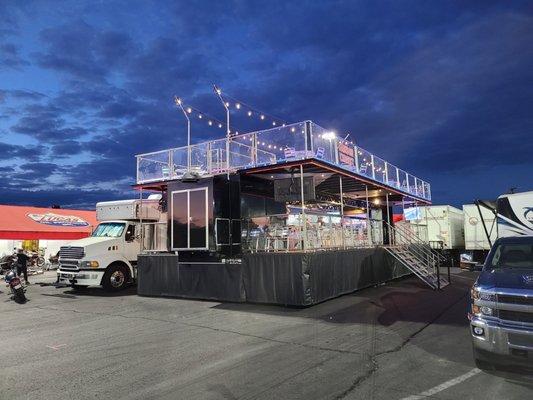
(90,264)
(477,294)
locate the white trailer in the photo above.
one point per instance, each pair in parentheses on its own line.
(443,224)
(475,234)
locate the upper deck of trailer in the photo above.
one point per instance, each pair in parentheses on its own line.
(302,141)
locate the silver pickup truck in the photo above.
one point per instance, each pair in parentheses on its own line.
(501,310)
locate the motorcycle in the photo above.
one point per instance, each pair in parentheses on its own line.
(37,261)
(7,263)
(14,283)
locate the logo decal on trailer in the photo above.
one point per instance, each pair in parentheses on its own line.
(528,214)
(58,220)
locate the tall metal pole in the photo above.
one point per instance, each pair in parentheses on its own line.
(228,130)
(388,219)
(179,103)
(304,220)
(368,218)
(342,212)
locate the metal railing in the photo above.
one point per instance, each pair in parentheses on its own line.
(302,140)
(312,238)
(417,255)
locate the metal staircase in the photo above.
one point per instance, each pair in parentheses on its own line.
(409,249)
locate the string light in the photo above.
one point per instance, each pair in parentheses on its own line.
(201,115)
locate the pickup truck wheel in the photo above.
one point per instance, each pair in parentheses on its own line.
(115,278)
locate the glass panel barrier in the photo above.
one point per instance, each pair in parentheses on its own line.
(392,175)
(285,142)
(364,160)
(403,180)
(379,170)
(324,144)
(279,144)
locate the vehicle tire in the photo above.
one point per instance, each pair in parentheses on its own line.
(116,277)
(19,296)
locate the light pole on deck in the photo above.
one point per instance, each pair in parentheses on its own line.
(218,92)
(179,103)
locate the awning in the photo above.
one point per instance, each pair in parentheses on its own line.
(30,223)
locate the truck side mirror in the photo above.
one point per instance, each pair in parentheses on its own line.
(130,234)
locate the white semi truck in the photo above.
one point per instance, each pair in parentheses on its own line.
(109,256)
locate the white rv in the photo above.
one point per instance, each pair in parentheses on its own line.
(109,256)
(515,214)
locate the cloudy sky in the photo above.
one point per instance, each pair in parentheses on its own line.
(442,89)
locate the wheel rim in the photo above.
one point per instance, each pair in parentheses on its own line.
(117,279)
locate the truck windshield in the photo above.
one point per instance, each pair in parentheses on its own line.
(109,229)
(513,255)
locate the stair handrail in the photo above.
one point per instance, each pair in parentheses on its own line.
(418,239)
(420,251)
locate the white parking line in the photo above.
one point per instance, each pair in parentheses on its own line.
(444,386)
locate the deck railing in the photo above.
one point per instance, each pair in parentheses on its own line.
(302,140)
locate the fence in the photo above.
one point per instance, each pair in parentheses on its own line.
(302,140)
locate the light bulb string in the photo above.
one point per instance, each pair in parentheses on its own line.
(209,119)
(238,104)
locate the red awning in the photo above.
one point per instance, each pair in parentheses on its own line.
(30,223)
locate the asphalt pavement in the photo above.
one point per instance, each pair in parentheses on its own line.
(396,341)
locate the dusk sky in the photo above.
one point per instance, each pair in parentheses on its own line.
(442,89)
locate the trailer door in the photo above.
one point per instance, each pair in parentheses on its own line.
(189,230)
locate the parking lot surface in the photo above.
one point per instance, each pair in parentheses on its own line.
(397,341)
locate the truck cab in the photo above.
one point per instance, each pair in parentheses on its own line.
(108,257)
(501,306)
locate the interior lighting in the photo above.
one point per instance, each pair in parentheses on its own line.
(329,135)
(220,125)
(377,202)
(262,116)
(249,113)
(238,106)
(200,116)
(274,123)
(293,129)
(227,104)
(210,123)
(189,110)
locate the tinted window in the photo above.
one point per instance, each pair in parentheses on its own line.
(513,255)
(198,219)
(180,231)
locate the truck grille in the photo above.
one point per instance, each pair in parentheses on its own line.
(71,253)
(502,298)
(517,316)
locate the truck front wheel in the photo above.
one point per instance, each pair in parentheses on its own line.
(116,277)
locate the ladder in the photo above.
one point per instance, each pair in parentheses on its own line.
(418,256)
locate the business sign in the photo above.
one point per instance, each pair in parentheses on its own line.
(290,189)
(58,220)
(346,154)
(412,214)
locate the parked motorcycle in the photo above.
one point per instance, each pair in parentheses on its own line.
(14,283)
(37,260)
(7,262)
